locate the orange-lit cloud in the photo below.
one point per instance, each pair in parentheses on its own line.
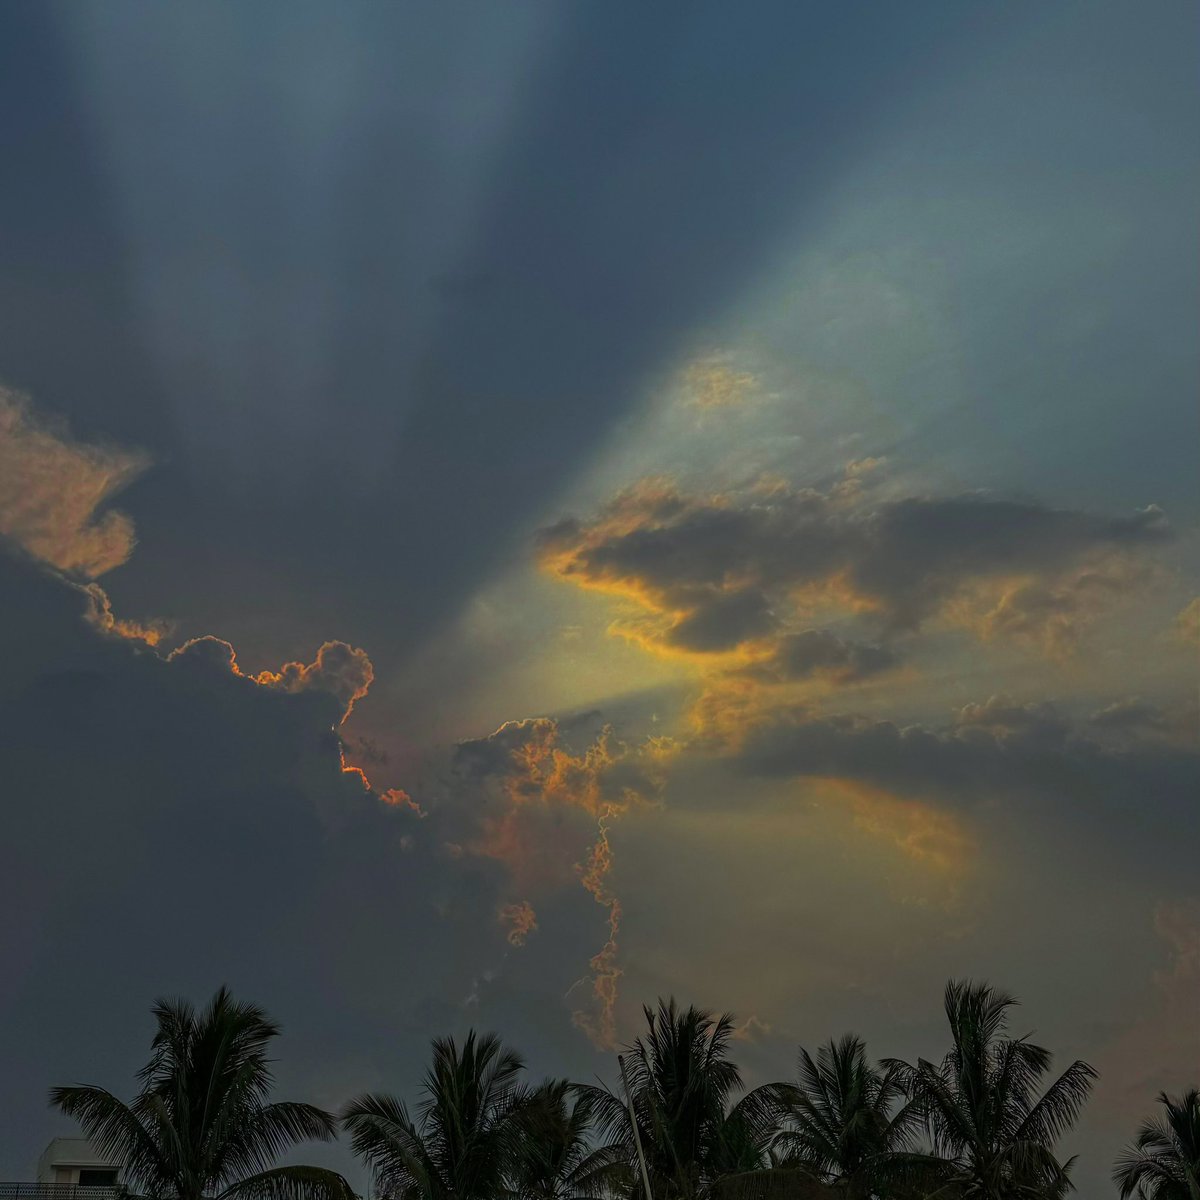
(340,670)
(925,833)
(729,574)
(542,782)
(52,488)
(776,594)
(600,1025)
(213,651)
(520,920)
(101,616)
(356,772)
(399,798)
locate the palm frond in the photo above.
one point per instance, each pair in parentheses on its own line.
(116,1131)
(290,1183)
(1060,1105)
(202,1123)
(1163,1163)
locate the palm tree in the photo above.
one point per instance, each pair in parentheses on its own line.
(1164,1161)
(467,1133)
(202,1126)
(992,1134)
(844,1116)
(682,1083)
(555,1159)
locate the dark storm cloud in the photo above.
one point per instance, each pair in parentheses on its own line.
(250,285)
(170,823)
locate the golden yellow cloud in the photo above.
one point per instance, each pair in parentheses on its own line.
(776,594)
(711,383)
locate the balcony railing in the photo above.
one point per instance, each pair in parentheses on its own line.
(59,1191)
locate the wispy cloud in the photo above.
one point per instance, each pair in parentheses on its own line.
(53,488)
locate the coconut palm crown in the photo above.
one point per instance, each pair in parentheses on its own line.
(992,1133)
(466,1135)
(844,1116)
(555,1159)
(1163,1163)
(683,1085)
(203,1124)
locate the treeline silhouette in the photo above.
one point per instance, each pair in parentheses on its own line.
(981,1124)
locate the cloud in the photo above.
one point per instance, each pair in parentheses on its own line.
(712,383)
(1129,773)
(1187,623)
(531,785)
(726,621)
(341,671)
(818,652)
(520,920)
(172,823)
(741,574)
(399,798)
(777,594)
(52,489)
(925,833)
(102,617)
(1134,720)
(752,1029)
(855,476)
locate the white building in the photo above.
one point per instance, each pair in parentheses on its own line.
(75,1162)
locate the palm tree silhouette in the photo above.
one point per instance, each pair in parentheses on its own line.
(844,1116)
(202,1126)
(682,1084)
(468,1131)
(992,1135)
(555,1159)
(1163,1163)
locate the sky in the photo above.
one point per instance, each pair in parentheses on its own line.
(511,511)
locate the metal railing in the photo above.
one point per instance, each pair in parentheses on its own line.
(59,1191)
